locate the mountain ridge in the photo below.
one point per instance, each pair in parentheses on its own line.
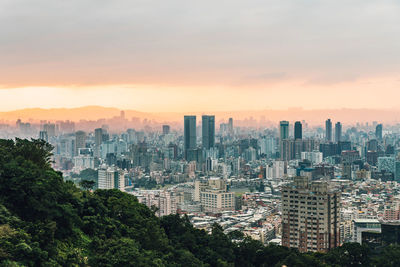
(312,116)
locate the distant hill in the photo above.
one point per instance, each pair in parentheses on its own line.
(249,117)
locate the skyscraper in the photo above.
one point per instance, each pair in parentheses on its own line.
(328,130)
(80,141)
(378,132)
(190,138)
(298,130)
(110,178)
(284,130)
(98,139)
(338,132)
(284,147)
(166,129)
(230,126)
(44,136)
(208,131)
(310,215)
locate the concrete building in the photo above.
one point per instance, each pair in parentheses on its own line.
(165,202)
(111,178)
(314,157)
(216,201)
(214,196)
(364,225)
(80,140)
(310,215)
(387,164)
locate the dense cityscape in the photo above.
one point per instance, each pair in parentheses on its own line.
(313,188)
(205,133)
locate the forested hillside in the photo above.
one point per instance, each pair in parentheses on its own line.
(45,221)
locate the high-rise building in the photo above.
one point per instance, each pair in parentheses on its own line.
(80,141)
(284,130)
(284,147)
(208,131)
(387,164)
(44,136)
(298,130)
(166,129)
(287,149)
(328,130)
(50,128)
(311,215)
(190,138)
(110,178)
(230,125)
(338,132)
(98,140)
(98,136)
(378,131)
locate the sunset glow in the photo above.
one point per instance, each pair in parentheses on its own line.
(183,56)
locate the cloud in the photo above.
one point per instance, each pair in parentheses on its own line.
(195,43)
(333,79)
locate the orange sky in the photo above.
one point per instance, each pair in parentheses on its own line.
(379,93)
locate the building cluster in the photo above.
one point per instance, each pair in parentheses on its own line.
(311,188)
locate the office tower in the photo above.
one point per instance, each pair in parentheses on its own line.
(328,130)
(284,147)
(310,215)
(230,125)
(50,128)
(298,130)
(190,139)
(378,131)
(98,136)
(80,141)
(284,130)
(44,136)
(338,132)
(287,149)
(387,164)
(98,139)
(208,131)
(165,129)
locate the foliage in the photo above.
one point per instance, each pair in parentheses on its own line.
(45,221)
(87,184)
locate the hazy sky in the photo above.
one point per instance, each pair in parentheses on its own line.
(177,55)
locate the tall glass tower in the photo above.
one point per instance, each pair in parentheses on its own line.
(190,138)
(298,130)
(208,131)
(328,130)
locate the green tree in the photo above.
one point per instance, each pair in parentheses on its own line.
(350,254)
(87,184)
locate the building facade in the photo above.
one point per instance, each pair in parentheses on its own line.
(310,215)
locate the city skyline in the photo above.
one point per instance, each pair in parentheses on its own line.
(257,118)
(200,133)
